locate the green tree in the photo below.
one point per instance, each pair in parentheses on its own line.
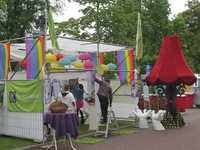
(155,25)
(178,27)
(116,22)
(113,22)
(3,10)
(192,19)
(95,18)
(24,18)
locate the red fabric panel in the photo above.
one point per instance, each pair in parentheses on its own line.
(171,66)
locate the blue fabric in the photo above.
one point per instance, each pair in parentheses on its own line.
(79,93)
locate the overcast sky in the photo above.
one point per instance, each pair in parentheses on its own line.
(177,6)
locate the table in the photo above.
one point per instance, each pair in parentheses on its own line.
(62,123)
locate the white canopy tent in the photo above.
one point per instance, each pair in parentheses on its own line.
(68,46)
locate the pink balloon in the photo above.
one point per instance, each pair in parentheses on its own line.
(84,56)
(88,65)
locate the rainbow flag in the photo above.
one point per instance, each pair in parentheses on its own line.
(4,61)
(93,59)
(35,60)
(125,62)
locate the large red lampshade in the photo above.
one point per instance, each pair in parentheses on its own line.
(171,67)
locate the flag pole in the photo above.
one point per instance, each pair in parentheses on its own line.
(136,99)
(98,49)
(45,32)
(135,57)
(45,47)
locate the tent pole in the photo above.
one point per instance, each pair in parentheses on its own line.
(98,49)
(89,70)
(18,38)
(135,59)
(45,47)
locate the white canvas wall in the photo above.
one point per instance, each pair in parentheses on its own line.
(19,124)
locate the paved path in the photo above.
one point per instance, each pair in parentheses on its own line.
(185,138)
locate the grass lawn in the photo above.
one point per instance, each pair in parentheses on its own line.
(8,142)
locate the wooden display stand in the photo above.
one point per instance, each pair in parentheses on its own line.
(93,121)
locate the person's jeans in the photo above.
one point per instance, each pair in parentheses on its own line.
(104,107)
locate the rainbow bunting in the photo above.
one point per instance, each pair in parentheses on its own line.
(4,61)
(125,62)
(35,60)
(93,59)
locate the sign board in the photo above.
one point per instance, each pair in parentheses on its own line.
(25,96)
(148,69)
(56,88)
(136,87)
(146,92)
(143,76)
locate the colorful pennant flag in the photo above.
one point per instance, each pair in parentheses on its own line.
(51,26)
(35,60)
(125,62)
(4,61)
(139,45)
(94,57)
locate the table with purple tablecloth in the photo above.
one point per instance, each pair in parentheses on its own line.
(62,123)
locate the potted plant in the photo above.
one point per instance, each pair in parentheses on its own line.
(90,99)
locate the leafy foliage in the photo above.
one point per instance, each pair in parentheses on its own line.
(192,35)
(3,10)
(116,22)
(154,16)
(112,22)
(24,18)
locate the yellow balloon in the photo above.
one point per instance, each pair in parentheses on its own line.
(78,65)
(105,67)
(50,57)
(53,65)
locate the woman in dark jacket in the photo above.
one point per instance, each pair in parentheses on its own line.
(79,98)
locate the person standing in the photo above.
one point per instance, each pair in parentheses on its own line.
(104,92)
(79,98)
(68,98)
